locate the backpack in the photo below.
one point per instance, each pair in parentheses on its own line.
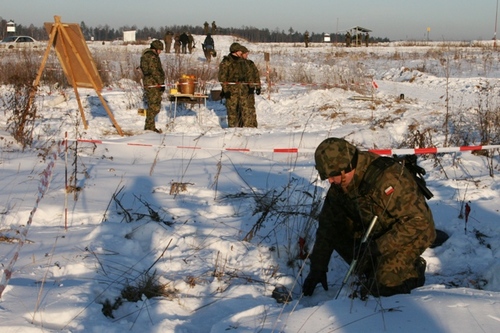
(376,168)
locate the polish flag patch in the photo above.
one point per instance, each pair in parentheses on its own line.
(389,190)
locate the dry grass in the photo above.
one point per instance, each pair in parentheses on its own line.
(149,286)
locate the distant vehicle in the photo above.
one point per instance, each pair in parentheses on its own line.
(11,42)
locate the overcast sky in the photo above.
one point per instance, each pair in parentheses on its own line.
(395,19)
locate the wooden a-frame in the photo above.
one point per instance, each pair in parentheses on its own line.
(76,61)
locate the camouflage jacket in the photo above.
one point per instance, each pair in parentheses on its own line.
(168,38)
(233,71)
(253,74)
(151,68)
(394,197)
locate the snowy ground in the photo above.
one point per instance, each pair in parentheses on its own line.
(220,228)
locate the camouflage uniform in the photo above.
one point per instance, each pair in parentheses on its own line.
(168,41)
(405,226)
(177,44)
(248,113)
(347,39)
(190,43)
(233,74)
(153,76)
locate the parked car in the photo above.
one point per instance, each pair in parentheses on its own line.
(11,42)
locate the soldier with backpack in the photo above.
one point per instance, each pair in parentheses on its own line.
(184,39)
(363,186)
(208,46)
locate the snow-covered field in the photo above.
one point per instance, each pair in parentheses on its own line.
(215,214)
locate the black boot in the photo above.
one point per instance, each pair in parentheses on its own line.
(420,265)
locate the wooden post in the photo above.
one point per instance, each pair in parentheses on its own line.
(268,74)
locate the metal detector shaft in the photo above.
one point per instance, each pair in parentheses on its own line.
(355,260)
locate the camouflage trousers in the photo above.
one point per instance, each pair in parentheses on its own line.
(241,109)
(397,272)
(153,100)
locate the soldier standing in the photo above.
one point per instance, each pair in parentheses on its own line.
(205,28)
(184,39)
(177,44)
(306,38)
(348,39)
(154,83)
(214,28)
(390,262)
(168,41)
(233,81)
(190,42)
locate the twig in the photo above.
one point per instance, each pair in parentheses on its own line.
(37,304)
(161,255)
(156,156)
(461,215)
(128,216)
(111,199)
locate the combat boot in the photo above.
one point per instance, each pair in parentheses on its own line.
(420,265)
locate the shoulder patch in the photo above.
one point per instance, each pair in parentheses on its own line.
(389,190)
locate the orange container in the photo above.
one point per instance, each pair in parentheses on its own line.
(187,86)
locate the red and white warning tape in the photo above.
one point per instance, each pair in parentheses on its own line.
(435,150)
(404,151)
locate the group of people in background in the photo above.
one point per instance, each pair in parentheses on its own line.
(183,43)
(206,28)
(358,39)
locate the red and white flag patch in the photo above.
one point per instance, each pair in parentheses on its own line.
(389,190)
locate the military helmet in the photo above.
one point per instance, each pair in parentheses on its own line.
(157,45)
(235,47)
(333,156)
(244,49)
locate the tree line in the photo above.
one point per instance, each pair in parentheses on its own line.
(252,34)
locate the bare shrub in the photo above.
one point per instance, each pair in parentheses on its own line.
(104,70)
(417,137)
(19,67)
(22,120)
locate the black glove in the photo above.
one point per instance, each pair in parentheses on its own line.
(162,88)
(251,90)
(257,91)
(222,94)
(312,280)
(367,249)
(227,94)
